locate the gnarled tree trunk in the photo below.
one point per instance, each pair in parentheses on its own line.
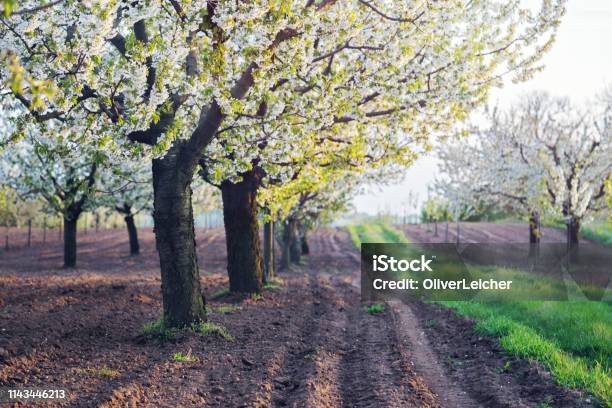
(242,233)
(175,239)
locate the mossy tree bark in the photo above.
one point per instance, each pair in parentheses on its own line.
(535,233)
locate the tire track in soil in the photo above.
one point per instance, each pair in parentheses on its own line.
(385,348)
(293,384)
(356,360)
(373,372)
(416,376)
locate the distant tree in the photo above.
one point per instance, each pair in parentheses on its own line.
(127,188)
(484,171)
(542,153)
(60,173)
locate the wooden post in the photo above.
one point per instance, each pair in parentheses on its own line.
(29,233)
(61,237)
(446,233)
(44,229)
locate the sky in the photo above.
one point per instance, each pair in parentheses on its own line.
(578,66)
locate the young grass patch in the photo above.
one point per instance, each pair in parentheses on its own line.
(184,358)
(375,233)
(224,309)
(375,308)
(104,372)
(220,293)
(211,329)
(158,329)
(274,283)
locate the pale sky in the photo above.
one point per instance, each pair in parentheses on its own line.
(578,66)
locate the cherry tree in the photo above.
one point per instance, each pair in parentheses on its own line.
(573,147)
(485,171)
(340,105)
(169,79)
(127,188)
(61,173)
(542,153)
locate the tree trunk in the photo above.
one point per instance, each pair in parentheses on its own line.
(175,241)
(534,228)
(242,233)
(70,240)
(132,234)
(295,248)
(286,241)
(305,246)
(573,230)
(268,251)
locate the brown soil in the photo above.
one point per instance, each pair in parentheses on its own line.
(480,232)
(307,343)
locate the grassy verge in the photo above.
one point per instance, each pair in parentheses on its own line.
(374,233)
(572,339)
(598,231)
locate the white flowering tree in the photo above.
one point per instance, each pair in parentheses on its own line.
(61,173)
(127,188)
(572,146)
(168,78)
(486,169)
(543,153)
(347,104)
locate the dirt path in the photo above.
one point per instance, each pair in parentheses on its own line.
(307,343)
